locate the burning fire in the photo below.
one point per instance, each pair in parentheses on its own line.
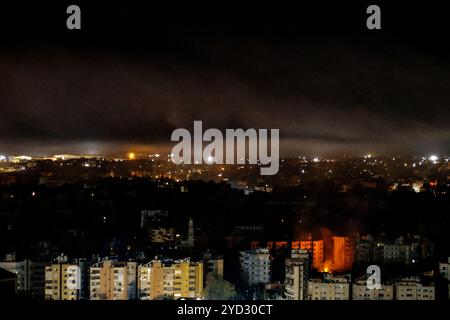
(325,267)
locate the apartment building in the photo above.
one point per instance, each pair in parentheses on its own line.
(329,288)
(255,266)
(343,249)
(170,278)
(110,280)
(30,275)
(316,247)
(360,291)
(297,275)
(412,289)
(66,281)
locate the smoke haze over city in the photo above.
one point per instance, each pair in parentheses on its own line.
(328,91)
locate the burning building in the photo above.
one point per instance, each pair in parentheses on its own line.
(316,247)
(342,258)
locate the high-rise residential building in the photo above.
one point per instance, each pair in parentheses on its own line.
(30,275)
(255,266)
(297,275)
(343,249)
(391,253)
(387,251)
(360,291)
(154,280)
(364,249)
(316,248)
(110,280)
(170,278)
(329,288)
(401,251)
(412,289)
(66,281)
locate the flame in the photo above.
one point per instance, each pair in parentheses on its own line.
(326,267)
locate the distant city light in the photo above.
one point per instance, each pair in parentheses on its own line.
(316,159)
(433,158)
(131,156)
(20,159)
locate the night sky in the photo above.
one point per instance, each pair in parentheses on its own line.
(134,74)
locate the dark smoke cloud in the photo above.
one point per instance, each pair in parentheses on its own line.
(327,98)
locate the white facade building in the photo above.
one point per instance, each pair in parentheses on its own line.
(360,291)
(255,266)
(330,288)
(412,289)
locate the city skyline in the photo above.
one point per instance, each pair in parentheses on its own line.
(245,152)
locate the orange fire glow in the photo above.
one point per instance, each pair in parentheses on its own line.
(326,267)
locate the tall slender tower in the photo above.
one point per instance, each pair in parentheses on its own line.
(190,240)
